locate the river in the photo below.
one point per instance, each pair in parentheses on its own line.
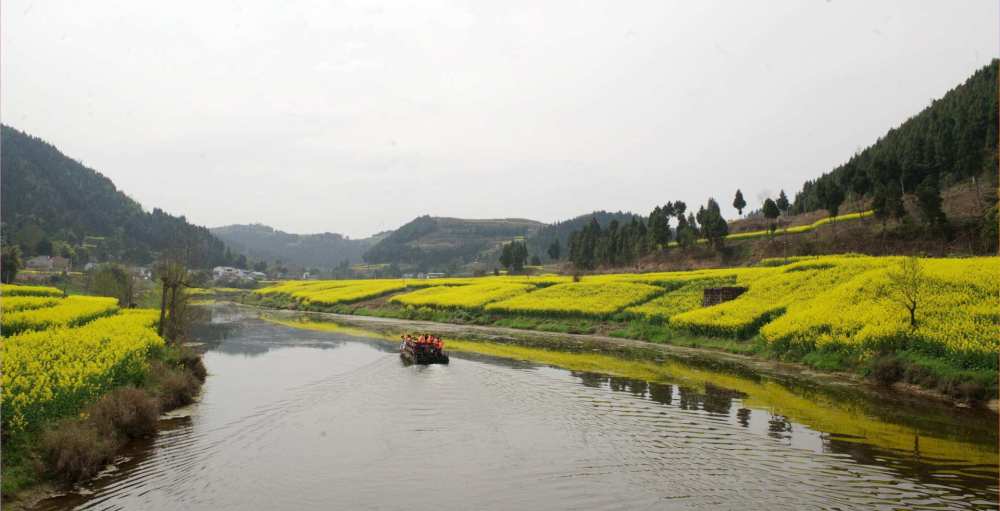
(302,419)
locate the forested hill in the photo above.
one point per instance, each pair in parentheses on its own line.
(539,243)
(47,198)
(323,250)
(444,244)
(953,139)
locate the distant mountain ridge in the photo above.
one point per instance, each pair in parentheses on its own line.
(447,244)
(323,250)
(458,245)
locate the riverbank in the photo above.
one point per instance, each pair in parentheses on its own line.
(39,462)
(840,313)
(703,352)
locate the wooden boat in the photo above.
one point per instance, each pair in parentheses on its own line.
(429,351)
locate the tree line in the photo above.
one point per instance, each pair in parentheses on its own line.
(625,243)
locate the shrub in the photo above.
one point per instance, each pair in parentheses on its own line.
(75,450)
(175,386)
(128,411)
(886,370)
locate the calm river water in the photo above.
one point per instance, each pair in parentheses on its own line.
(298,419)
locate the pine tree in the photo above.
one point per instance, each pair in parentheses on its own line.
(782,202)
(739,203)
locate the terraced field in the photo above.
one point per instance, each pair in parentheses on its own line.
(831,303)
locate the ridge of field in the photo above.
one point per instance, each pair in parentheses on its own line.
(10,304)
(70,311)
(799,229)
(18,290)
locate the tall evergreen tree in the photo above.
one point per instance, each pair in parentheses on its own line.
(739,203)
(782,202)
(713,227)
(771,212)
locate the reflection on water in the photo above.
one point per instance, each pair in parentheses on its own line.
(299,419)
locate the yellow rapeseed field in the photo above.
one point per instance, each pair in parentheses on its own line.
(684,298)
(578,298)
(18,290)
(54,372)
(70,311)
(805,303)
(959,316)
(22,303)
(471,296)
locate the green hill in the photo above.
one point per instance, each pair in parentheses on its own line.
(446,244)
(951,141)
(322,250)
(48,197)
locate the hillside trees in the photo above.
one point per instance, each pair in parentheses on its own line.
(929,202)
(48,197)
(952,140)
(554,250)
(713,227)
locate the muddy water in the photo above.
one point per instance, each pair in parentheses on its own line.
(300,419)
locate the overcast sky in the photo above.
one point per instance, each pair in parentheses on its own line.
(356,117)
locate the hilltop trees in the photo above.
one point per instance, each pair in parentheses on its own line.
(739,203)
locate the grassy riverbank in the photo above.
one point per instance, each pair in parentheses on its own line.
(836,313)
(80,379)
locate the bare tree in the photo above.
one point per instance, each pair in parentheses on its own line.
(908,286)
(175,279)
